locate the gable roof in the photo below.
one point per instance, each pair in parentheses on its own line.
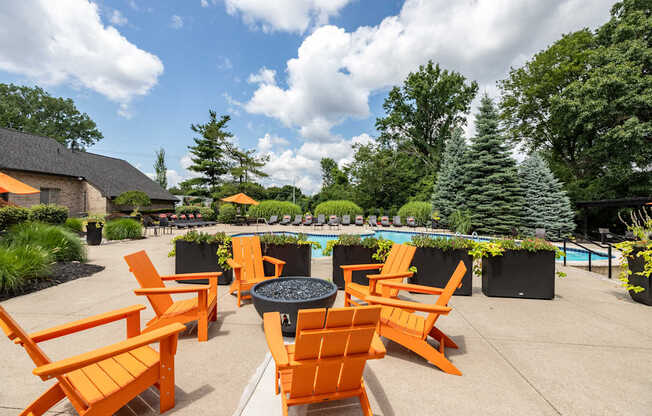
(29,152)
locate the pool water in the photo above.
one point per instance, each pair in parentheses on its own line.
(400,237)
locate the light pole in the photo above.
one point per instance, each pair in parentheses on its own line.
(293,188)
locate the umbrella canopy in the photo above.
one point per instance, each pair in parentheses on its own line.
(240,199)
(14,186)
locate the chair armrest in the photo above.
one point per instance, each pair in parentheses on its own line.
(413,288)
(82,360)
(87,323)
(191,276)
(405,304)
(389,276)
(377,346)
(274,337)
(233,264)
(356,267)
(272,260)
(170,290)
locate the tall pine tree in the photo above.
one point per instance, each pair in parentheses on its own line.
(546,203)
(447,195)
(210,154)
(491,186)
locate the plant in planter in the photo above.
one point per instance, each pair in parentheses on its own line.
(524,269)
(351,249)
(295,250)
(197,252)
(636,263)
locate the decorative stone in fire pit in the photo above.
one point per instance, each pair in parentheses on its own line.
(287,295)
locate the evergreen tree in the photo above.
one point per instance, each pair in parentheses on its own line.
(211,151)
(161,169)
(447,195)
(546,203)
(491,187)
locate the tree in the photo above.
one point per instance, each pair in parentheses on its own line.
(247,165)
(421,114)
(491,186)
(33,110)
(161,169)
(330,172)
(211,151)
(135,199)
(447,196)
(546,204)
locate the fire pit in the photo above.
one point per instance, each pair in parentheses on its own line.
(289,294)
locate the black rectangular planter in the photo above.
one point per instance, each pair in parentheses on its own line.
(297,258)
(436,266)
(345,255)
(195,258)
(637,265)
(519,274)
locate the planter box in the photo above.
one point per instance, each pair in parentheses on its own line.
(436,266)
(93,234)
(345,255)
(636,265)
(519,274)
(196,258)
(297,259)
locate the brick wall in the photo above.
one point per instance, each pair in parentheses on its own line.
(95,202)
(71,193)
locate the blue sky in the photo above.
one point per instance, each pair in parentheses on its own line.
(301,79)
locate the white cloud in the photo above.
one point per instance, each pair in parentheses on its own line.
(65,42)
(117,18)
(336,71)
(204,3)
(266,143)
(285,15)
(224,63)
(177,22)
(263,77)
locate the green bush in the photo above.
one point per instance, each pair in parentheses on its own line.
(48,213)
(188,209)
(63,244)
(288,239)
(350,240)
(75,224)
(419,210)
(227,214)
(207,213)
(443,243)
(20,263)
(338,208)
(11,215)
(122,229)
(271,207)
(460,221)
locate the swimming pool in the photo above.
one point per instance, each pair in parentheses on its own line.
(400,237)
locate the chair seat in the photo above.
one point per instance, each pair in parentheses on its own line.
(357,290)
(181,307)
(404,320)
(113,374)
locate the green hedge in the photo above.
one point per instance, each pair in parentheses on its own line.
(63,244)
(122,229)
(188,209)
(20,263)
(338,208)
(11,215)
(271,207)
(207,213)
(227,214)
(418,209)
(75,224)
(49,213)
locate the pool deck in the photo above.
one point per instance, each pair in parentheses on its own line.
(587,352)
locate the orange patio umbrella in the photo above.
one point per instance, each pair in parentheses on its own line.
(14,186)
(240,199)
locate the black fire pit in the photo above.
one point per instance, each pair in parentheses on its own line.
(289,294)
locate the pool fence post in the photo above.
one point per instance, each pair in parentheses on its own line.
(564,252)
(609,254)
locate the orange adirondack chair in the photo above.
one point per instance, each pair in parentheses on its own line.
(395,269)
(100,382)
(201,308)
(247,265)
(399,323)
(329,355)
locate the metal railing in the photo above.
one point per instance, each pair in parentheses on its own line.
(591,252)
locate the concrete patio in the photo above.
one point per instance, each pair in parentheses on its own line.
(587,352)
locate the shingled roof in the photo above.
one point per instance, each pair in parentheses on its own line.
(29,152)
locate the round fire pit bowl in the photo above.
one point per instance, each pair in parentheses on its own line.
(287,295)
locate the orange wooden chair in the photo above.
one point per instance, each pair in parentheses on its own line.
(329,355)
(201,308)
(247,265)
(101,381)
(395,269)
(399,323)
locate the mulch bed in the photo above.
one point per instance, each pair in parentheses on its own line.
(61,273)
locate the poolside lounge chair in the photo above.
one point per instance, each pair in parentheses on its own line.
(149,224)
(397,221)
(359,220)
(286,220)
(297,220)
(384,221)
(328,357)
(411,222)
(372,221)
(308,220)
(346,220)
(206,223)
(202,308)
(333,221)
(102,381)
(272,220)
(321,220)
(399,323)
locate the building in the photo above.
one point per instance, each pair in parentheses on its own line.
(82,181)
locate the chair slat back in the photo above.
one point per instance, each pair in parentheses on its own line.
(321,218)
(453,283)
(148,278)
(398,261)
(324,341)
(13,331)
(247,252)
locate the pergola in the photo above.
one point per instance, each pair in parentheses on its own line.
(633,202)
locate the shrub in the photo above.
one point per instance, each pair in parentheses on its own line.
(75,224)
(288,239)
(188,209)
(442,243)
(19,263)
(460,221)
(122,229)
(227,214)
(49,213)
(350,240)
(418,209)
(271,207)
(61,243)
(135,199)
(11,215)
(222,240)
(207,213)
(339,208)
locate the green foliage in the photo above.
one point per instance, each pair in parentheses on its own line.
(449,188)
(384,247)
(210,152)
(48,213)
(247,166)
(443,243)
(339,208)
(75,224)
(496,247)
(222,240)
(11,215)
(122,229)
(419,210)
(207,213)
(641,225)
(20,263)
(161,169)
(288,239)
(459,221)
(350,240)
(61,243)
(187,209)
(135,199)
(33,110)
(227,214)
(279,208)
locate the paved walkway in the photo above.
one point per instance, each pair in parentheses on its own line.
(588,352)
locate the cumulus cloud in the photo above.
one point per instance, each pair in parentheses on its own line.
(65,42)
(177,22)
(285,15)
(264,77)
(336,71)
(117,18)
(267,142)
(204,3)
